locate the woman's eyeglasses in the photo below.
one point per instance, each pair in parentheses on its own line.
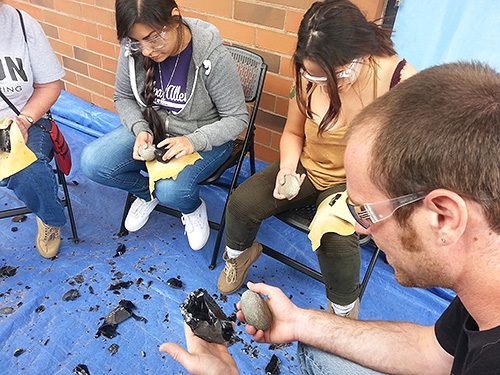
(371,213)
(154,44)
(350,73)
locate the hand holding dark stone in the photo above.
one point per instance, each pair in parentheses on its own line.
(205,318)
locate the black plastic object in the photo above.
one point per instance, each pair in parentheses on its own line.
(205,318)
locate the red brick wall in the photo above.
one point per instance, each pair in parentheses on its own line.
(83,36)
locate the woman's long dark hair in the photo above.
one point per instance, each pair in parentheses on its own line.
(332,34)
(155,14)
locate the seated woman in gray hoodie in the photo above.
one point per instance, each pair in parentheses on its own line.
(177,88)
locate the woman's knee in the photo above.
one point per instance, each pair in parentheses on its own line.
(90,161)
(334,244)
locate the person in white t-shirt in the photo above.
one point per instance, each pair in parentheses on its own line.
(30,76)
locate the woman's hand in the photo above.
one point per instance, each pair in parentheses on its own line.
(201,357)
(286,316)
(177,147)
(280,180)
(23,124)
(141,139)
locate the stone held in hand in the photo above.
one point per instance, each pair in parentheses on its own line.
(147,151)
(291,186)
(255,310)
(205,318)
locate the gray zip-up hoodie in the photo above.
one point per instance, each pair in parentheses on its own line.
(215,111)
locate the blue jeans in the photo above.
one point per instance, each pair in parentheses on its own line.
(36,185)
(313,361)
(108,161)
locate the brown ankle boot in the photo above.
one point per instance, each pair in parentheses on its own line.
(234,273)
(48,239)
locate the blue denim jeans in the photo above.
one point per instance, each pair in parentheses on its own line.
(108,161)
(36,185)
(313,361)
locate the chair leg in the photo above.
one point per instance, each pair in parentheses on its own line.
(123,231)
(62,181)
(218,241)
(368,272)
(252,160)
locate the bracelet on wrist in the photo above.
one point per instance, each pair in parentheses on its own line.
(29,118)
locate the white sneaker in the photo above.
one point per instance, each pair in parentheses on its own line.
(196,227)
(138,214)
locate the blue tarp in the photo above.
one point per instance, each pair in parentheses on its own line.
(58,335)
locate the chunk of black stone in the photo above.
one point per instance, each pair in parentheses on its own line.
(107,330)
(40,309)
(81,370)
(128,304)
(71,295)
(113,348)
(120,285)
(8,271)
(79,279)
(273,366)
(18,352)
(118,315)
(159,152)
(174,283)
(19,218)
(205,318)
(121,249)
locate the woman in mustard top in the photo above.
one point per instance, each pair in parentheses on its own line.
(342,63)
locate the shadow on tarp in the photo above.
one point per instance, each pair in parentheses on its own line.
(61,335)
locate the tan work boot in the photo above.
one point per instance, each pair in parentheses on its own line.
(234,273)
(48,239)
(353,314)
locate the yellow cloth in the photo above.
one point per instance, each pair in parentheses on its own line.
(158,170)
(20,156)
(336,218)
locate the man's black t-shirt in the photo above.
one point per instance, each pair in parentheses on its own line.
(475,352)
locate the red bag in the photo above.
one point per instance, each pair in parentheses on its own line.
(63,154)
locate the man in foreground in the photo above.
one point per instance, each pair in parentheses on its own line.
(423,179)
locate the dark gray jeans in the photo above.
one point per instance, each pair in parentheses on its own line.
(253,201)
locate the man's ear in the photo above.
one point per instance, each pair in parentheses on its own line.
(449,215)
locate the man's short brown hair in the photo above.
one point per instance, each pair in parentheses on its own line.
(438,129)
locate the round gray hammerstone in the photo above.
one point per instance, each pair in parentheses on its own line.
(147,151)
(255,310)
(291,186)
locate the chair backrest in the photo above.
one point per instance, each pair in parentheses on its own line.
(252,69)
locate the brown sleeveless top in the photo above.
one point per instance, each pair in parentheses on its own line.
(323,154)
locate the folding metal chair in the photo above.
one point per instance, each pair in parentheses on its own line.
(65,200)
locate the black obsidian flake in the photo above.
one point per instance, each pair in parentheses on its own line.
(174,283)
(272,367)
(81,370)
(205,318)
(71,295)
